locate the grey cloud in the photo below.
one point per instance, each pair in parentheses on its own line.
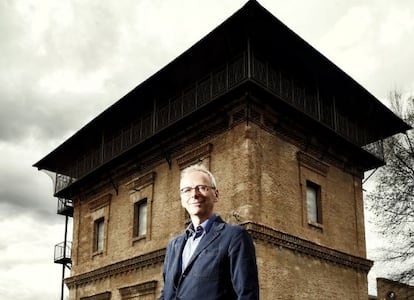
(15,201)
(24,115)
(31,52)
(84,39)
(24,190)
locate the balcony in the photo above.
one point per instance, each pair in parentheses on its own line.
(63,253)
(65,207)
(62,181)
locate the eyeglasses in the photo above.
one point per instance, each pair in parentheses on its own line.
(187,191)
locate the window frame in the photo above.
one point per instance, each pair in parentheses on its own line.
(99,235)
(315,171)
(137,219)
(317,203)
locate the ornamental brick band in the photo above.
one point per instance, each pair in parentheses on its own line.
(259,232)
(138,262)
(277,238)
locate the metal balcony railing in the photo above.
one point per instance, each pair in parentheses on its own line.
(316,101)
(65,207)
(63,181)
(63,253)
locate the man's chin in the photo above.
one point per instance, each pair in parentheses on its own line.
(196,212)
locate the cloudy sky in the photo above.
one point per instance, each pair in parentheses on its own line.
(63,62)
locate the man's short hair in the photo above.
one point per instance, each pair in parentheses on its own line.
(200,168)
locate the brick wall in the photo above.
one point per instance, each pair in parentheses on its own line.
(261,180)
(393,290)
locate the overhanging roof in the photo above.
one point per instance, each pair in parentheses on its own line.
(267,35)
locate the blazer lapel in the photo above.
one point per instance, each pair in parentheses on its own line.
(177,257)
(205,242)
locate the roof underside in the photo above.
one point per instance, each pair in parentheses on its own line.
(254,29)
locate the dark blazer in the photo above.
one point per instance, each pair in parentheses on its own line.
(222,267)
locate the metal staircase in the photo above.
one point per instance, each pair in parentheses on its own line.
(63,250)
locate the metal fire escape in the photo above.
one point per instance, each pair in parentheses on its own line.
(63,249)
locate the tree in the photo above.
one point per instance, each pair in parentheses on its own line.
(392,199)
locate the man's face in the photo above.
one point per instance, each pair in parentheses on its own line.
(198,202)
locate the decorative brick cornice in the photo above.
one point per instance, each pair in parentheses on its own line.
(281,239)
(194,156)
(99,202)
(139,183)
(312,163)
(139,289)
(138,262)
(258,232)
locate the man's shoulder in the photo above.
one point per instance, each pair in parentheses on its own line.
(177,239)
(234,228)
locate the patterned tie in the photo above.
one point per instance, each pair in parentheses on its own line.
(199,231)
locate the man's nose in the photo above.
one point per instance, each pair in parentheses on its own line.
(195,191)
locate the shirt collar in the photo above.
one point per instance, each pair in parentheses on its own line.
(206,226)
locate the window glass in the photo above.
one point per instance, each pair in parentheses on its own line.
(99,234)
(142,219)
(313,202)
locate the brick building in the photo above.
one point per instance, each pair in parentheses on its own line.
(288,135)
(393,290)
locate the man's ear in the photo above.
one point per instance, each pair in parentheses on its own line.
(216,192)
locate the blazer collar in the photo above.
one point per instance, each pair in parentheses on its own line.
(206,226)
(216,227)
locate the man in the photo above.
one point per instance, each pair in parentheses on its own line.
(211,259)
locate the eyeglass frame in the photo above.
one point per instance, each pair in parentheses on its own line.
(201,188)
